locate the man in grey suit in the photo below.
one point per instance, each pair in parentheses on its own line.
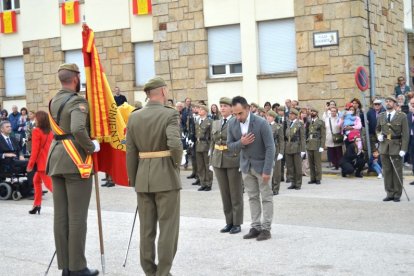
(252,137)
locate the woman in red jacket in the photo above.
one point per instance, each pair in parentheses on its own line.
(42,137)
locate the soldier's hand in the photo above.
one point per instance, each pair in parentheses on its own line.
(247,139)
(302,154)
(266,178)
(380,137)
(97,146)
(279,156)
(320,149)
(211,168)
(402,153)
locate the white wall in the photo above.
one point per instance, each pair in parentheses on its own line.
(277,90)
(141,28)
(216,90)
(8,104)
(271,9)
(221,12)
(107,15)
(71,35)
(11,44)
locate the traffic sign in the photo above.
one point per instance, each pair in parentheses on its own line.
(361,78)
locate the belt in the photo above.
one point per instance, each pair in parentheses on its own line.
(314,136)
(154,154)
(392,137)
(64,137)
(220,147)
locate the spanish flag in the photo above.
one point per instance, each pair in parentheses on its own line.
(141,7)
(70,13)
(8,22)
(107,123)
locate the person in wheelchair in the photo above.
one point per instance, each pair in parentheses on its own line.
(11,155)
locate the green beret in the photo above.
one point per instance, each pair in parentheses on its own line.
(70,67)
(261,109)
(314,109)
(281,108)
(204,107)
(225,100)
(390,98)
(272,113)
(254,104)
(154,83)
(294,111)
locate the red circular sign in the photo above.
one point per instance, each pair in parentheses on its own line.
(361,78)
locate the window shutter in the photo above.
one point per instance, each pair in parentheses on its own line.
(76,56)
(14,76)
(144,62)
(224,45)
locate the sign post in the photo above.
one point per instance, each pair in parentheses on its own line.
(362,81)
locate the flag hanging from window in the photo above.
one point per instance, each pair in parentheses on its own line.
(70,13)
(141,7)
(8,22)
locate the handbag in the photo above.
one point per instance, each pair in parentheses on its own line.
(337,138)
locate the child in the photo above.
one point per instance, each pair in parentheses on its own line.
(375,163)
(349,119)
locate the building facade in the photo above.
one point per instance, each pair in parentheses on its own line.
(265,50)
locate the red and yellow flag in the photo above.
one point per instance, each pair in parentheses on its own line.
(8,22)
(141,7)
(107,123)
(70,13)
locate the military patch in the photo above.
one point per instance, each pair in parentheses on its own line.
(82,107)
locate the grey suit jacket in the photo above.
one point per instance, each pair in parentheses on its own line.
(261,153)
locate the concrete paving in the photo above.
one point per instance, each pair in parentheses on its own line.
(341,227)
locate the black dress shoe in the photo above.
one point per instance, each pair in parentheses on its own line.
(110,184)
(197,182)
(253,233)
(317,182)
(275,192)
(343,174)
(297,188)
(396,200)
(105,184)
(191,176)
(201,188)
(291,187)
(85,272)
(207,189)
(282,180)
(412,183)
(358,175)
(312,182)
(65,272)
(235,229)
(226,228)
(288,181)
(388,199)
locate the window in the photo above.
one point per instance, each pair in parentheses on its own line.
(224,51)
(76,56)
(7,5)
(144,62)
(14,76)
(277,47)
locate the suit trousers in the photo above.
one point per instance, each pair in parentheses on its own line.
(203,171)
(260,198)
(277,175)
(294,162)
(391,182)
(411,151)
(194,162)
(37,184)
(315,164)
(231,190)
(162,208)
(71,196)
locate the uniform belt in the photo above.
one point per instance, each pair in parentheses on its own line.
(154,154)
(314,136)
(392,137)
(64,137)
(220,147)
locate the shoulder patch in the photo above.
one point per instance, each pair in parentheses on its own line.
(82,107)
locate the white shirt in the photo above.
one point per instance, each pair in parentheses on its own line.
(244,127)
(392,114)
(293,122)
(227,118)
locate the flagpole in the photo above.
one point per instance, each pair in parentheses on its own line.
(171,80)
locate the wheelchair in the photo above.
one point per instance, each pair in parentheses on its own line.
(15,182)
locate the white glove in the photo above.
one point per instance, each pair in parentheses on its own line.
(183,161)
(320,149)
(380,137)
(402,153)
(279,157)
(209,152)
(97,146)
(302,154)
(190,143)
(210,168)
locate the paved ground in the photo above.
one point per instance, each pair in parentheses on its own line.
(338,228)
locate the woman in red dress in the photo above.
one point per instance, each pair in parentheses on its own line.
(42,137)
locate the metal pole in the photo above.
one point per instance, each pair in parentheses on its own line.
(50,264)
(98,210)
(372,73)
(399,179)
(366,123)
(130,237)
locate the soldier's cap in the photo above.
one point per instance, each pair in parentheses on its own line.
(203,107)
(281,108)
(272,113)
(255,105)
(294,111)
(138,104)
(377,101)
(225,100)
(390,98)
(70,67)
(314,109)
(154,83)
(261,109)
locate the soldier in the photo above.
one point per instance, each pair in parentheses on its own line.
(279,138)
(72,185)
(203,140)
(226,166)
(153,165)
(392,133)
(284,122)
(314,145)
(295,148)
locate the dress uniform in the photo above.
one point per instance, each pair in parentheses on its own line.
(226,166)
(203,140)
(71,188)
(295,149)
(278,136)
(153,166)
(393,137)
(315,142)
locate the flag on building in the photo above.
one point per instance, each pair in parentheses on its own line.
(107,124)
(8,22)
(70,12)
(141,7)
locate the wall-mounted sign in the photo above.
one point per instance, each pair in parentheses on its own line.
(324,39)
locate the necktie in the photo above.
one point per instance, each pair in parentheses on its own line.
(9,143)
(291,124)
(224,121)
(389,117)
(201,121)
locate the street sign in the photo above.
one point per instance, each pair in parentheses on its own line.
(361,78)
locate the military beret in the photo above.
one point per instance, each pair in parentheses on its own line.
(272,113)
(281,108)
(254,104)
(70,67)
(314,109)
(154,83)
(294,111)
(204,107)
(138,104)
(261,109)
(225,100)
(390,98)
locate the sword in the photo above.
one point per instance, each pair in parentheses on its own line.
(130,237)
(399,179)
(51,261)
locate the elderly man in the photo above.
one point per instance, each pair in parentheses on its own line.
(9,146)
(252,136)
(14,118)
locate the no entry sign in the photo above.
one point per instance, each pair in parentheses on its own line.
(361,78)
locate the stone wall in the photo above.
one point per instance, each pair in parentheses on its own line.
(180,46)
(328,72)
